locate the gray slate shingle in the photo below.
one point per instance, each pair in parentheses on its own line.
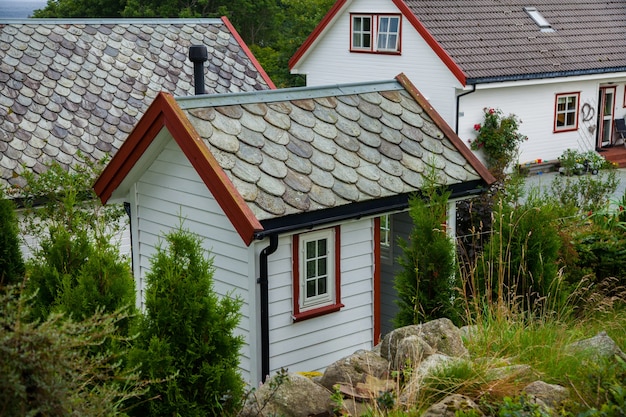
(297,151)
(70,86)
(495,39)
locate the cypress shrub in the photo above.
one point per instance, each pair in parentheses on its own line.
(11,261)
(187,331)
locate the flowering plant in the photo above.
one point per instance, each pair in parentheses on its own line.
(498,137)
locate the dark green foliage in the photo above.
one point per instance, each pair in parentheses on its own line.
(48,368)
(11,261)
(77,268)
(426,284)
(188,331)
(520,262)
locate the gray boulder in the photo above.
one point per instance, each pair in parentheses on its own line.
(295,396)
(355,368)
(450,405)
(599,347)
(550,394)
(441,335)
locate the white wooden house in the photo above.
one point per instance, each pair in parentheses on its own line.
(73,87)
(559,66)
(286,187)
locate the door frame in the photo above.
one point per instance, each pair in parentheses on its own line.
(605,119)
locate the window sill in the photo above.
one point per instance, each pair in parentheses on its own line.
(363,51)
(316,312)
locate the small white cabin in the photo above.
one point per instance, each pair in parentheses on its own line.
(287,187)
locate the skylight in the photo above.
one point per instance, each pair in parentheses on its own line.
(541,21)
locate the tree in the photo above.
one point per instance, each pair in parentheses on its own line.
(77,267)
(48,367)
(426,284)
(11,261)
(187,331)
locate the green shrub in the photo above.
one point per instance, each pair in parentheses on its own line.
(11,261)
(585,193)
(48,367)
(187,331)
(77,267)
(427,284)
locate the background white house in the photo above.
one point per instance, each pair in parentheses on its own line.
(286,188)
(559,66)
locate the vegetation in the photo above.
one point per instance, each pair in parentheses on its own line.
(273,29)
(426,283)
(76,268)
(187,331)
(11,261)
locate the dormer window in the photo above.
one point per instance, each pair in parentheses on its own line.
(375,33)
(538,18)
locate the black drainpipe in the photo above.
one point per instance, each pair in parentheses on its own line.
(458,99)
(265,314)
(198,55)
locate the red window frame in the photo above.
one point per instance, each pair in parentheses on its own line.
(299,313)
(576,114)
(375,21)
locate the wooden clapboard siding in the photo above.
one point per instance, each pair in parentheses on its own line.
(315,343)
(171,190)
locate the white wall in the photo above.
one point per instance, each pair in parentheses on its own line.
(313,344)
(534,105)
(331,61)
(171,190)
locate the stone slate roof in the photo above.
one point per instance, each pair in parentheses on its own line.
(497,40)
(300,150)
(70,86)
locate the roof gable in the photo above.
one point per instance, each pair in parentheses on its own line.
(70,86)
(291,152)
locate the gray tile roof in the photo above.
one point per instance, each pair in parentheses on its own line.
(299,150)
(81,85)
(492,39)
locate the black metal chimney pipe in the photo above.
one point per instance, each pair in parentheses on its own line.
(198,55)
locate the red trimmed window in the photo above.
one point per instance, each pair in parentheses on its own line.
(566,112)
(375,33)
(316,273)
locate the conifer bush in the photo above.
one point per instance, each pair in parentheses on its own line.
(426,284)
(11,261)
(188,331)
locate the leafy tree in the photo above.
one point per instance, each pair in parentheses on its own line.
(77,267)
(188,330)
(11,261)
(48,367)
(426,283)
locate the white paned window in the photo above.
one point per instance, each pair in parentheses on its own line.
(566,112)
(375,33)
(385,239)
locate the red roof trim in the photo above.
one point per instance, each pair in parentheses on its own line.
(248,52)
(446,129)
(316,32)
(430,40)
(165,112)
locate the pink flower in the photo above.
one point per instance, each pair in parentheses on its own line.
(491,111)
(477,126)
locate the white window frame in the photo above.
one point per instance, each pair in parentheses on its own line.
(375,33)
(386,244)
(566,99)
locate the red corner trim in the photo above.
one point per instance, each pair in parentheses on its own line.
(248,52)
(446,129)
(430,40)
(376,312)
(316,32)
(165,112)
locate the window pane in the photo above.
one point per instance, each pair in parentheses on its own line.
(366,41)
(321,247)
(321,286)
(310,269)
(310,289)
(394,22)
(321,267)
(310,250)
(384,24)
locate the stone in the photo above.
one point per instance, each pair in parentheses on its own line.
(550,394)
(450,405)
(292,395)
(599,347)
(355,368)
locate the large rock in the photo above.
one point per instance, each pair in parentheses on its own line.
(441,335)
(292,395)
(549,394)
(450,405)
(355,368)
(599,347)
